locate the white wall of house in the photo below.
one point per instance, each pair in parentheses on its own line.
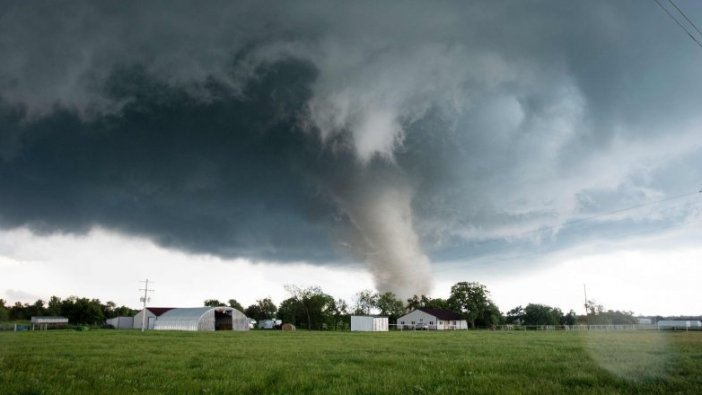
(452,324)
(417,319)
(420,319)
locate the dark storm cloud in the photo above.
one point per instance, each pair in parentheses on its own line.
(314,130)
(228,176)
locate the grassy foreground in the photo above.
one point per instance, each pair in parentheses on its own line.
(103,361)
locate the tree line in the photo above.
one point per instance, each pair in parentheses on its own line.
(312,308)
(78,310)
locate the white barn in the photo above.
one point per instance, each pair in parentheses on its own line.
(202,319)
(679,324)
(432,319)
(362,323)
(151,314)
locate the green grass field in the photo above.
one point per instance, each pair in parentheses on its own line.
(104,361)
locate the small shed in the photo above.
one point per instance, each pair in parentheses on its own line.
(151,314)
(46,322)
(364,323)
(121,322)
(202,319)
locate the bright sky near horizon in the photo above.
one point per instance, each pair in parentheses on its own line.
(226,150)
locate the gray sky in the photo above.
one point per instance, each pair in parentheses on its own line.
(533,146)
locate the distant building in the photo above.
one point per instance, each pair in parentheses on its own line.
(645,321)
(362,323)
(121,322)
(679,324)
(269,324)
(151,314)
(46,322)
(432,319)
(202,319)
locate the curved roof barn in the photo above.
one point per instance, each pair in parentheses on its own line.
(203,319)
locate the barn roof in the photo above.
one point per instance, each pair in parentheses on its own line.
(157,311)
(443,314)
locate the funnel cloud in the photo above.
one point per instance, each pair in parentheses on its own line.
(396,136)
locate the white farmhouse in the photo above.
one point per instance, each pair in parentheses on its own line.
(433,319)
(362,323)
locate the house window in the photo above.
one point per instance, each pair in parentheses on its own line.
(412,322)
(421,319)
(431,322)
(402,322)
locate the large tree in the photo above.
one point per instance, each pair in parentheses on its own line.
(539,314)
(366,301)
(234,304)
(264,309)
(311,303)
(390,306)
(471,299)
(426,302)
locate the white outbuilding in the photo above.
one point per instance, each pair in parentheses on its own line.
(121,322)
(432,319)
(363,323)
(202,319)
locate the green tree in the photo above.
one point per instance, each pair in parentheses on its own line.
(515,316)
(4,311)
(490,316)
(213,303)
(234,304)
(314,304)
(366,301)
(54,306)
(471,299)
(426,302)
(539,314)
(390,306)
(264,309)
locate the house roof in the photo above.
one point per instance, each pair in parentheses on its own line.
(157,311)
(443,314)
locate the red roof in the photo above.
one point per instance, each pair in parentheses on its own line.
(157,311)
(443,314)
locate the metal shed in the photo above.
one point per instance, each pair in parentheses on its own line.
(369,323)
(202,319)
(121,322)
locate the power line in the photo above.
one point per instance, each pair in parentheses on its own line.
(677,22)
(685,16)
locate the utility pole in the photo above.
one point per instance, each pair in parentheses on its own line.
(144,299)
(587,313)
